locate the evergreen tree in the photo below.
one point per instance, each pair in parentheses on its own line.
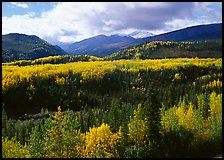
(4,121)
(152,108)
(36,142)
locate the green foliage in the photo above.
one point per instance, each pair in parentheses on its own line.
(215,118)
(190,120)
(20,47)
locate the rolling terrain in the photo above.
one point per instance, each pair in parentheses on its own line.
(169,49)
(20,46)
(28,47)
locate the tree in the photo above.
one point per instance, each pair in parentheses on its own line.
(101,142)
(152,108)
(152,111)
(62,136)
(4,120)
(138,127)
(36,142)
(11,148)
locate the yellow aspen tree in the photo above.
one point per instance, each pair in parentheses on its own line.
(11,148)
(137,128)
(189,119)
(100,142)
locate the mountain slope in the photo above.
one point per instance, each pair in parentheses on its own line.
(194,33)
(159,49)
(105,45)
(20,46)
(100,45)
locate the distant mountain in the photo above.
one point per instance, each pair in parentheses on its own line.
(100,45)
(140,34)
(105,45)
(194,33)
(17,46)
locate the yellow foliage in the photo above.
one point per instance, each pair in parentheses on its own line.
(186,118)
(190,117)
(138,127)
(100,142)
(180,113)
(215,103)
(11,75)
(13,149)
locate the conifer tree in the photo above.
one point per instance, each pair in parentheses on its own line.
(36,142)
(152,108)
(4,120)
(54,139)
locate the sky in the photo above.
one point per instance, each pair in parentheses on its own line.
(69,22)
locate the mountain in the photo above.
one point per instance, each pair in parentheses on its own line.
(100,45)
(140,34)
(194,33)
(105,45)
(17,46)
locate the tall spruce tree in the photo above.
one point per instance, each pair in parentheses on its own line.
(152,112)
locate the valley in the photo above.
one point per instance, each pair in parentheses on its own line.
(44,104)
(116,96)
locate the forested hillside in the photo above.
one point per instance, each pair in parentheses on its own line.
(55,60)
(121,108)
(20,46)
(160,49)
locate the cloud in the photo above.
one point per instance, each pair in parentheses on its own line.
(74,21)
(19,4)
(210,9)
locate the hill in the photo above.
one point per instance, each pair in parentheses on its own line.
(55,60)
(17,46)
(160,49)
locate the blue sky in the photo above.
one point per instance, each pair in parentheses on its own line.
(74,21)
(21,8)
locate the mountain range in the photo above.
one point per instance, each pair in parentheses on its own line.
(100,45)
(105,45)
(194,33)
(19,46)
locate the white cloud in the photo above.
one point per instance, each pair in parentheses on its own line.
(74,21)
(19,4)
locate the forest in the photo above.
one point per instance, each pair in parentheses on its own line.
(137,108)
(170,49)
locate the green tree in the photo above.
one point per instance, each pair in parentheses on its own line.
(36,142)
(152,107)
(62,135)
(4,121)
